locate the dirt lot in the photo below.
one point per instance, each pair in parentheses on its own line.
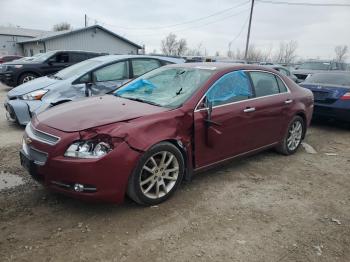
(264,208)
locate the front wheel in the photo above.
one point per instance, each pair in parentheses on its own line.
(157,175)
(293,137)
(26,77)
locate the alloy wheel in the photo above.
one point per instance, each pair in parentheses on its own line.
(28,78)
(159,174)
(295,134)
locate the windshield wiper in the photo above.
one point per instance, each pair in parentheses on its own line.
(140,100)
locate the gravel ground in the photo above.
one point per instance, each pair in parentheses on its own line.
(266,207)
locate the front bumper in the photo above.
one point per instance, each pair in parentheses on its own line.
(8,79)
(21,111)
(104,179)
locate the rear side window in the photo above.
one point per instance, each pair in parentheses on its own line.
(142,66)
(62,58)
(265,84)
(117,71)
(232,87)
(77,57)
(281,85)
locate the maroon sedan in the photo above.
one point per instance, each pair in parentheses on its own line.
(161,128)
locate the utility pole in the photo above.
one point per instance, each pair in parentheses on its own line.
(85,20)
(248,36)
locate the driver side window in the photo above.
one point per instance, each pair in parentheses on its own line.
(232,87)
(117,71)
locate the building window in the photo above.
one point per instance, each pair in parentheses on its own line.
(31,52)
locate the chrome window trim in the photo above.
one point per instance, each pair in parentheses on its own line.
(249,99)
(31,134)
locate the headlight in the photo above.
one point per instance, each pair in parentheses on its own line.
(35,95)
(88,149)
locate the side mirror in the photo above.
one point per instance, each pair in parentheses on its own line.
(208,121)
(88,89)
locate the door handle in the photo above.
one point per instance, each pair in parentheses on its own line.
(249,109)
(288,101)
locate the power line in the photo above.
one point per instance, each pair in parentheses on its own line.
(239,34)
(302,3)
(177,24)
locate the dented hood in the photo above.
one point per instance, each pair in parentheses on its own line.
(95,111)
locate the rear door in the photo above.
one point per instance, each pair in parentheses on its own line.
(269,109)
(226,136)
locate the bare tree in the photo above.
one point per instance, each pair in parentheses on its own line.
(62,26)
(170,45)
(340,53)
(286,53)
(196,51)
(181,47)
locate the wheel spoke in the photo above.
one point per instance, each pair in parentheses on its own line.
(163,159)
(149,179)
(169,161)
(154,162)
(148,169)
(165,188)
(149,187)
(171,170)
(169,177)
(157,189)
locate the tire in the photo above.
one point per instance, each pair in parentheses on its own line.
(289,145)
(150,175)
(26,77)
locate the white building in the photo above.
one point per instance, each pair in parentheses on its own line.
(93,38)
(10,36)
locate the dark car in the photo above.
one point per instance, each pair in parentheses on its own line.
(9,58)
(18,72)
(312,67)
(162,127)
(331,93)
(284,71)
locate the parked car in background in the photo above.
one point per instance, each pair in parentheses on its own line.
(9,58)
(18,72)
(162,127)
(284,71)
(96,76)
(311,67)
(331,93)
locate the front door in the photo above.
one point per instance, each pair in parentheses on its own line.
(226,133)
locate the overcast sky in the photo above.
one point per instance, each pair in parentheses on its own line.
(317,29)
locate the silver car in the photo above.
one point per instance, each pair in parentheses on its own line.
(95,76)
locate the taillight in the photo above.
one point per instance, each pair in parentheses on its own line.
(346,96)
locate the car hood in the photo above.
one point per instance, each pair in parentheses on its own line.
(38,83)
(95,111)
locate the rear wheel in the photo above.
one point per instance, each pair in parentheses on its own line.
(157,175)
(293,137)
(26,77)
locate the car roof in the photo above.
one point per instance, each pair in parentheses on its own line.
(219,66)
(111,58)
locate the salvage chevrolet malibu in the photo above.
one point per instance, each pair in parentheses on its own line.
(161,128)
